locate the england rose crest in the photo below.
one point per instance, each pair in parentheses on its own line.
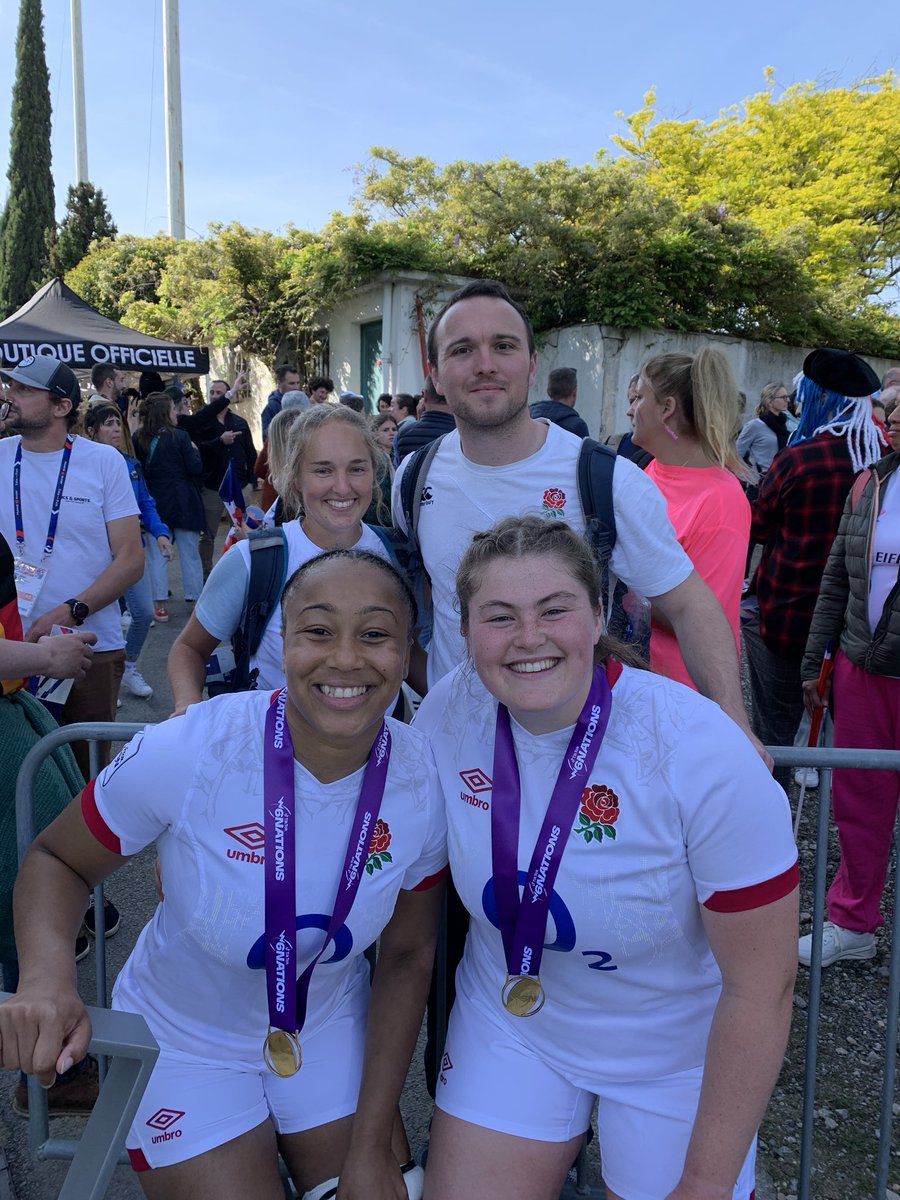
(599,813)
(554,502)
(378,847)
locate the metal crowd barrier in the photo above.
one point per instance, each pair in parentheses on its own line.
(824,759)
(127,1040)
(122,1038)
(133,1051)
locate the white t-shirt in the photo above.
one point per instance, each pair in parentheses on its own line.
(630,981)
(225,593)
(197,971)
(97,490)
(462,498)
(885,551)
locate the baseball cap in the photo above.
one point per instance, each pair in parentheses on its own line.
(841,372)
(47,373)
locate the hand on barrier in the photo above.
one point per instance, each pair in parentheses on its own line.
(43,1031)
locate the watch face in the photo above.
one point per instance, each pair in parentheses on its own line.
(79,610)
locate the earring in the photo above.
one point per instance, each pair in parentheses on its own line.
(671,432)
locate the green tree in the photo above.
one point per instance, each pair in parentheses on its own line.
(87,220)
(115,274)
(814,165)
(28,217)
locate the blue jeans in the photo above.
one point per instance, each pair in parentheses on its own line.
(187,542)
(139,600)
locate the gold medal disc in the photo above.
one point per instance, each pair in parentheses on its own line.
(522,995)
(282,1053)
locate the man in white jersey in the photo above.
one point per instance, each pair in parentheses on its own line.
(68,511)
(502,462)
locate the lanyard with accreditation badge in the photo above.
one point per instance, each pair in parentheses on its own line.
(287,995)
(30,576)
(523,923)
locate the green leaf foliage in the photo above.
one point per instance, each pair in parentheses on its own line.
(779,221)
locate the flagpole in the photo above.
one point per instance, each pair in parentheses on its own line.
(81,157)
(174,138)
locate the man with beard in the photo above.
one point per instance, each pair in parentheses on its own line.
(500,461)
(70,515)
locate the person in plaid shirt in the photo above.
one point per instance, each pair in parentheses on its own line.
(795,518)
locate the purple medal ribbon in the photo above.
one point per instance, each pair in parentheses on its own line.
(288,995)
(523,923)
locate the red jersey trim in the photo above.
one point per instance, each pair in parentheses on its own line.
(431,881)
(613,671)
(95,822)
(757,896)
(139,1160)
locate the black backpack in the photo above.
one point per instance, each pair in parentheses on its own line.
(268,575)
(595,467)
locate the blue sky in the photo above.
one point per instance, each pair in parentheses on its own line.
(282,98)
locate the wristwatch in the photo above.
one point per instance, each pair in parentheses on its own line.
(79,611)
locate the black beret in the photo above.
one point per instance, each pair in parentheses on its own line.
(841,372)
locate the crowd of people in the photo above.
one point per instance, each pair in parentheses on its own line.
(623,909)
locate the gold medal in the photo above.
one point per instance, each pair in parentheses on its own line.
(522,995)
(282,1053)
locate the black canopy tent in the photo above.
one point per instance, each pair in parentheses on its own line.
(57,321)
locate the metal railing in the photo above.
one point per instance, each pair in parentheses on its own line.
(825,759)
(132,1051)
(126,1038)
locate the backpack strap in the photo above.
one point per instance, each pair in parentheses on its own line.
(388,540)
(596,464)
(268,575)
(412,485)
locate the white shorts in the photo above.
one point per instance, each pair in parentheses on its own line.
(490,1078)
(192,1105)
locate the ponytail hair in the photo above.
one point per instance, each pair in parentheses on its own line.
(709,403)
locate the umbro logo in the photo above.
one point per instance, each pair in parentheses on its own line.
(163,1119)
(446,1065)
(253,837)
(476,781)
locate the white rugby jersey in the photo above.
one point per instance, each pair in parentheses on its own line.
(679,811)
(195,785)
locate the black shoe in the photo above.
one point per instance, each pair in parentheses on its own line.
(111,919)
(82,945)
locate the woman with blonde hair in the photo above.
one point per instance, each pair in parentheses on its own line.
(767,433)
(333,465)
(274,458)
(684,412)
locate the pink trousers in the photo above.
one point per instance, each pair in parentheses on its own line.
(866,716)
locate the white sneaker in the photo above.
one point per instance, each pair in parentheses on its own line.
(808,776)
(837,944)
(134,682)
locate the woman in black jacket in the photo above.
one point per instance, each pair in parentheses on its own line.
(174,473)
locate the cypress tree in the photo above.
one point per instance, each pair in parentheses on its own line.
(28,218)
